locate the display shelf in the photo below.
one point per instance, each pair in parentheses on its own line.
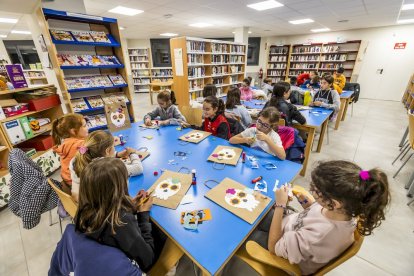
(278,56)
(90,110)
(113,43)
(20,90)
(97,128)
(92,67)
(96,88)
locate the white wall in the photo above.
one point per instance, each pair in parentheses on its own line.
(3,52)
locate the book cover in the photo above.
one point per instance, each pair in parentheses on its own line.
(95,101)
(117,79)
(97,60)
(99,37)
(82,60)
(14,131)
(114,98)
(73,83)
(79,104)
(109,60)
(100,120)
(61,35)
(102,81)
(26,127)
(82,36)
(65,59)
(90,121)
(87,82)
(16,75)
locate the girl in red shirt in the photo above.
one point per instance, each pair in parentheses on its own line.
(214,120)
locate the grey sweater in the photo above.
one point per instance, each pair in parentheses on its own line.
(171,113)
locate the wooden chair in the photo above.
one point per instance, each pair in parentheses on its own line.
(266,263)
(410,144)
(170,255)
(194,116)
(158,86)
(67,201)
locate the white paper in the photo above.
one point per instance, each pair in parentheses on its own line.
(187,199)
(178,58)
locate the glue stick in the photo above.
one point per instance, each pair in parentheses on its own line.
(257,179)
(194,179)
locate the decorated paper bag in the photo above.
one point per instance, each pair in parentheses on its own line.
(117,116)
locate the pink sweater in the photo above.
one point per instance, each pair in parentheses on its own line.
(311,240)
(246,93)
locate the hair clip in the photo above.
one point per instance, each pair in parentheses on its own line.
(364,175)
(83,149)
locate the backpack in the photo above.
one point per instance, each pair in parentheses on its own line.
(235,126)
(296,152)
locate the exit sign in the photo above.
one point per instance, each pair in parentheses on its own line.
(400,45)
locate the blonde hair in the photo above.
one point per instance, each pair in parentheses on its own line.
(61,127)
(96,144)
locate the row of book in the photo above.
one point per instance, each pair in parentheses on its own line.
(194,84)
(236,68)
(94,81)
(276,66)
(218,81)
(334,57)
(139,66)
(330,65)
(236,59)
(305,58)
(274,73)
(236,48)
(80,36)
(140,73)
(330,49)
(86,60)
(302,49)
(138,52)
(278,58)
(162,72)
(196,46)
(220,59)
(98,101)
(303,66)
(278,50)
(194,72)
(194,58)
(138,59)
(218,48)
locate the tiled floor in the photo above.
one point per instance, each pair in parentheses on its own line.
(370,138)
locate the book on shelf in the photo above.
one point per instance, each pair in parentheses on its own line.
(62,35)
(99,37)
(117,79)
(86,60)
(82,36)
(73,83)
(95,101)
(79,104)
(95,120)
(101,81)
(114,98)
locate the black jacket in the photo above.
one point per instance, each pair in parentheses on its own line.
(288,110)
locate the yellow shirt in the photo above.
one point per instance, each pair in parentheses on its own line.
(339,82)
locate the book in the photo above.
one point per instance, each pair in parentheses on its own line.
(61,35)
(87,82)
(109,60)
(95,120)
(96,60)
(65,59)
(117,79)
(102,81)
(95,101)
(73,83)
(99,37)
(90,121)
(114,98)
(82,36)
(79,104)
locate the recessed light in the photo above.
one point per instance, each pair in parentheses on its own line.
(169,34)
(320,30)
(407,7)
(20,32)
(265,5)
(301,21)
(125,11)
(249,32)
(200,25)
(8,20)
(405,21)
(3,36)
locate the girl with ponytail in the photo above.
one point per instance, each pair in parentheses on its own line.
(214,120)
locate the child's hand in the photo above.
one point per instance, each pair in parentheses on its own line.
(249,140)
(146,206)
(184,124)
(164,123)
(261,136)
(305,200)
(148,122)
(317,103)
(122,154)
(129,151)
(281,195)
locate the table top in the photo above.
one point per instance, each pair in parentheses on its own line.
(252,104)
(215,241)
(316,116)
(346,94)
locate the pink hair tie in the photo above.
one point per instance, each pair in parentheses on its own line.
(83,149)
(364,175)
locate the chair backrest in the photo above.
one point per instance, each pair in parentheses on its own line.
(411,129)
(346,255)
(67,201)
(194,116)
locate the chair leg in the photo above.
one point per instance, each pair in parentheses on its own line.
(50,218)
(352,109)
(410,192)
(402,157)
(409,202)
(404,144)
(404,137)
(410,182)
(405,162)
(327,134)
(406,147)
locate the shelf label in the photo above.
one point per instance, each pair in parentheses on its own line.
(400,45)
(86,16)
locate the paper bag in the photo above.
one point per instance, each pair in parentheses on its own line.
(117,116)
(225,155)
(195,136)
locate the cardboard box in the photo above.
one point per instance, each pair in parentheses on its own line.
(40,143)
(14,131)
(43,103)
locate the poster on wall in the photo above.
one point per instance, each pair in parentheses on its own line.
(15,72)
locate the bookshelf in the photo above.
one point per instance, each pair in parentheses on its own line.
(140,61)
(304,58)
(88,60)
(278,62)
(205,61)
(35,76)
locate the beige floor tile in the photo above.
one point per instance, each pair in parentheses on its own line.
(12,256)
(357,266)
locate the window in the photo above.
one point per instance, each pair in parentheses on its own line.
(22,52)
(253,51)
(160,50)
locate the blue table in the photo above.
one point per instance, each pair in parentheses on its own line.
(345,97)
(216,241)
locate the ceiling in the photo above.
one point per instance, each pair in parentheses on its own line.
(226,15)
(21,25)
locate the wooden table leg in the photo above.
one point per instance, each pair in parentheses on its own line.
(340,112)
(170,255)
(150,94)
(308,150)
(345,110)
(322,135)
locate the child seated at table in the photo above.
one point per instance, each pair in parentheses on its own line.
(339,80)
(214,120)
(263,136)
(312,81)
(234,106)
(289,112)
(267,86)
(97,145)
(166,110)
(344,198)
(246,90)
(327,97)
(208,90)
(106,213)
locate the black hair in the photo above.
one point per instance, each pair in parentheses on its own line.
(340,70)
(209,90)
(280,88)
(233,98)
(293,80)
(247,81)
(215,103)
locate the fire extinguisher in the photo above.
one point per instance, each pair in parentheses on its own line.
(260,73)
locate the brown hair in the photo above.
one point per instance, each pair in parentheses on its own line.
(328,78)
(215,103)
(233,98)
(364,199)
(315,79)
(267,80)
(271,113)
(209,90)
(247,81)
(166,96)
(62,126)
(103,194)
(96,143)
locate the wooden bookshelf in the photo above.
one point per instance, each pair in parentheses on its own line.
(35,77)
(53,19)
(278,62)
(408,95)
(140,60)
(304,58)
(206,61)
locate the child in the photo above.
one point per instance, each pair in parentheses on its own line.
(326,96)
(246,91)
(68,133)
(208,90)
(302,77)
(344,198)
(234,106)
(214,120)
(106,213)
(167,111)
(267,86)
(339,80)
(312,81)
(263,136)
(257,93)
(100,144)
(281,93)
